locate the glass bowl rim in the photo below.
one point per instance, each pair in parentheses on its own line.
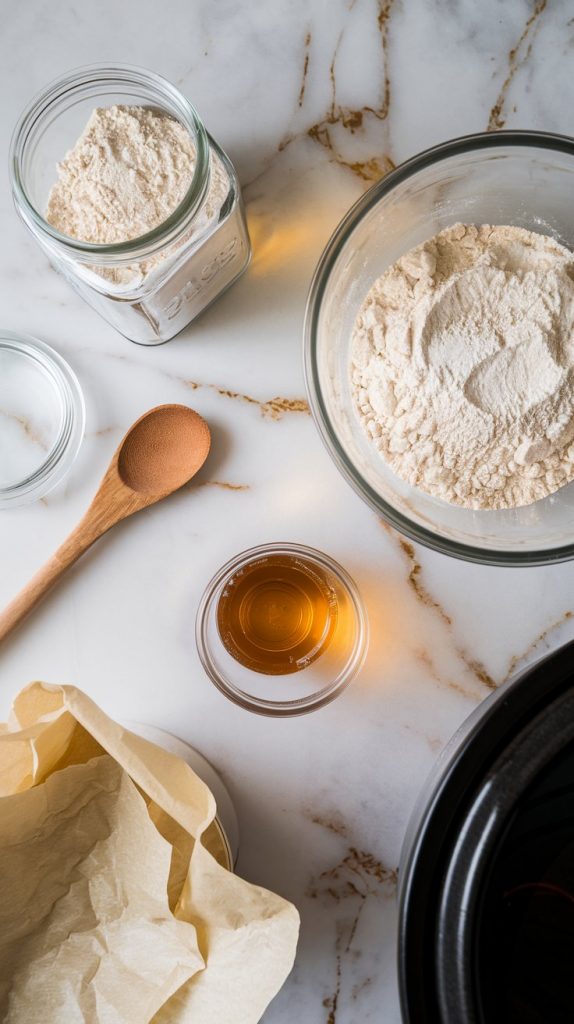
(318,699)
(128,74)
(66,446)
(363,205)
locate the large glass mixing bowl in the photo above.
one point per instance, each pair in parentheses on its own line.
(519,178)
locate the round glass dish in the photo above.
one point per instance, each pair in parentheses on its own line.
(518,178)
(297,692)
(41,419)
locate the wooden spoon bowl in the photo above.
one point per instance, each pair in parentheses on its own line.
(163,450)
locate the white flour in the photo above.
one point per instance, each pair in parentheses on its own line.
(128,171)
(463,366)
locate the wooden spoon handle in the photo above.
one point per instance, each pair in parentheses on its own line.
(81,538)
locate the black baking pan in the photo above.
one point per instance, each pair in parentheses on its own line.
(486,893)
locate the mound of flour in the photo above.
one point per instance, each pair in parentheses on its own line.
(128,171)
(463,366)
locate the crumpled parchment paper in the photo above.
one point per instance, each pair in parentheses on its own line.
(113,910)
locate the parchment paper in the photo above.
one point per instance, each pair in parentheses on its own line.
(112,909)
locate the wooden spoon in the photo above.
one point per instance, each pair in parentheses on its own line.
(161,452)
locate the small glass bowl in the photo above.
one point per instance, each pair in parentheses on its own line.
(41,419)
(298,692)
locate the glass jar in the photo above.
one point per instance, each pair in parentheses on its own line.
(151,287)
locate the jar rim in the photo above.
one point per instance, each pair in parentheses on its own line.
(152,241)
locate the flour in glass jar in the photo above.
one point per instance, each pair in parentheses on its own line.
(126,174)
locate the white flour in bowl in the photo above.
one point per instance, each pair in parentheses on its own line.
(463,366)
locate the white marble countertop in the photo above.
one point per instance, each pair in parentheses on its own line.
(313,100)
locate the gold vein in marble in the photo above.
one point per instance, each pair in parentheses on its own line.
(358,876)
(334,825)
(474,666)
(305,70)
(516,58)
(103,431)
(331,1003)
(345,117)
(477,668)
(433,742)
(26,429)
(383,19)
(273,408)
(224,485)
(519,659)
(424,658)
(415,581)
(359,873)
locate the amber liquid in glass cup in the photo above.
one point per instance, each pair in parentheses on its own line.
(277,614)
(281,629)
